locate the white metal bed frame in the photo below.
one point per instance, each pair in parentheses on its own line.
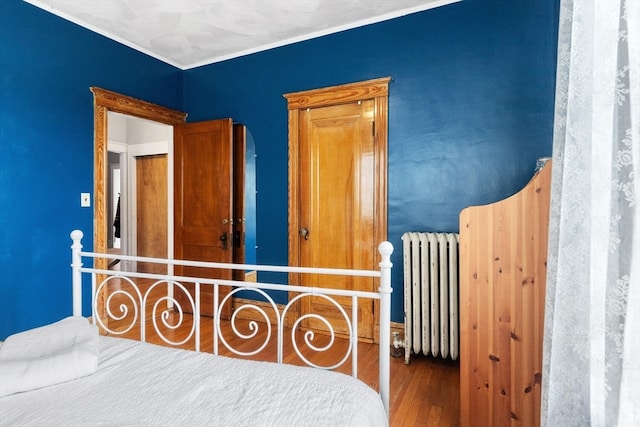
(138,300)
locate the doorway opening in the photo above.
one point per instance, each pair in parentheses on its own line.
(139,187)
(123,152)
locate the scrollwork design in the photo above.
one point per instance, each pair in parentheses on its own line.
(174,318)
(309,336)
(122,299)
(253,325)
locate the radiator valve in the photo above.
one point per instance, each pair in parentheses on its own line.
(397,348)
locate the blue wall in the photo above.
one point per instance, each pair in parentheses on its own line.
(46,149)
(471,105)
(470,109)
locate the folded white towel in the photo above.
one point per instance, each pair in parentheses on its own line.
(48,355)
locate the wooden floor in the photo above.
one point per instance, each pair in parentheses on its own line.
(423,393)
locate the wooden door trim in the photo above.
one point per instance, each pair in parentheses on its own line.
(239,219)
(342,94)
(376,89)
(103,102)
(136,107)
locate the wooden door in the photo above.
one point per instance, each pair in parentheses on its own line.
(151,211)
(337,176)
(336,201)
(203,201)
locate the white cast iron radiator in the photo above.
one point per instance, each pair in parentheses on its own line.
(431,321)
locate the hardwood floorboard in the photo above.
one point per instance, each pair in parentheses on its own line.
(423,393)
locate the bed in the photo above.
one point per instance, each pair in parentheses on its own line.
(77,372)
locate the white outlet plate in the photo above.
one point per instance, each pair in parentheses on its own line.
(85,200)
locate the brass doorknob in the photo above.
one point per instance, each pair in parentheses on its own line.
(304,233)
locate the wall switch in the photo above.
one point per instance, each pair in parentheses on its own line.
(85,200)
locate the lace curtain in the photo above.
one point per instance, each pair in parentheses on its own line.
(591,365)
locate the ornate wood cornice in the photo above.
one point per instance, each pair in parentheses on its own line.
(135,107)
(338,94)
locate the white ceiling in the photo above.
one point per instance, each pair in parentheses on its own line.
(190,33)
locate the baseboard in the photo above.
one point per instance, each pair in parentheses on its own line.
(248,314)
(396,327)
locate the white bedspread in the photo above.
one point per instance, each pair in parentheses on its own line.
(146,385)
(51,354)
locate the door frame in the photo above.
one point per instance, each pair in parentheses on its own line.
(103,102)
(120,149)
(376,89)
(128,202)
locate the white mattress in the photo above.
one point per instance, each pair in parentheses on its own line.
(147,385)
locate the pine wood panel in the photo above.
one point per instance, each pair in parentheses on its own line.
(503,252)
